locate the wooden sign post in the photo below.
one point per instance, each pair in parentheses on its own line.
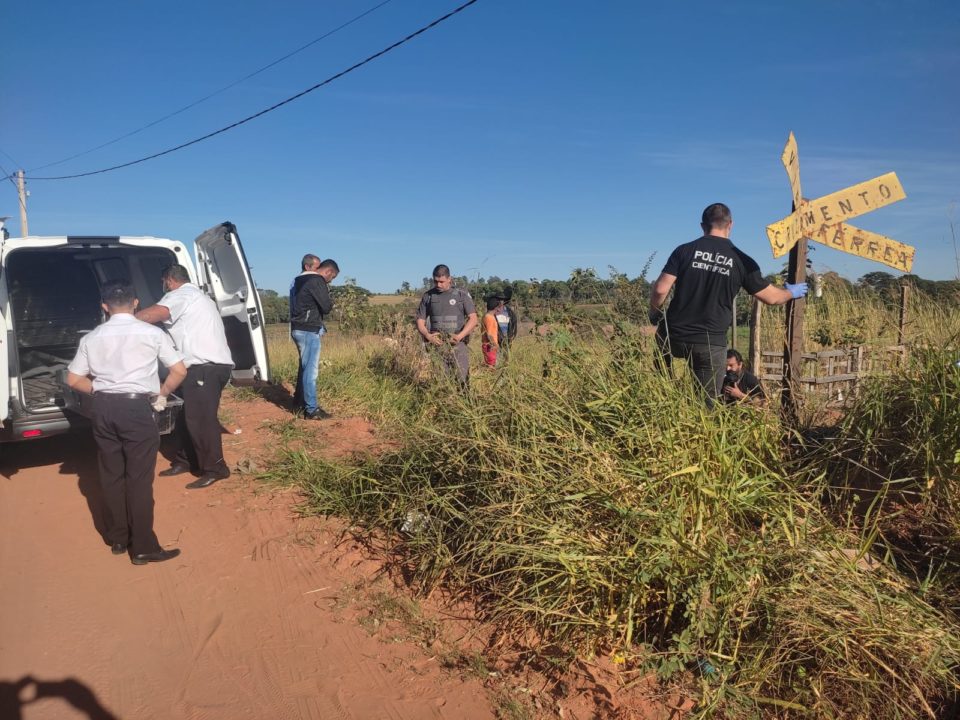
(824,221)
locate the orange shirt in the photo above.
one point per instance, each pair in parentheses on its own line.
(491,330)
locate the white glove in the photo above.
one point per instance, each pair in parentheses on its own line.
(160,403)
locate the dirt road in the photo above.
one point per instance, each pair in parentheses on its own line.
(246,623)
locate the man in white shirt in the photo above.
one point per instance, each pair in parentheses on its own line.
(194,322)
(117,363)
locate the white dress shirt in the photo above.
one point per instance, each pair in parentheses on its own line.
(196,326)
(122,355)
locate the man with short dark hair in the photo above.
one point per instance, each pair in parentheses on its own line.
(193,320)
(445,318)
(117,364)
(706,274)
(739,384)
(310,303)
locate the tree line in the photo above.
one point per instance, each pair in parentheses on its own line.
(627,295)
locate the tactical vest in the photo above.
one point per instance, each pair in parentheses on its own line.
(446,311)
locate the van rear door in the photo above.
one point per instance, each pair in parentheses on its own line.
(4,369)
(224,275)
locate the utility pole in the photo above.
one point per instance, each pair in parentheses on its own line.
(23,204)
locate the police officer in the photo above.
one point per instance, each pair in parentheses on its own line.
(452,317)
(194,322)
(708,273)
(121,357)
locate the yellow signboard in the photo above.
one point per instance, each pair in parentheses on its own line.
(866,244)
(834,208)
(791,163)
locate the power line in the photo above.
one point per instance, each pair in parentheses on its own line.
(4,152)
(280,104)
(211,95)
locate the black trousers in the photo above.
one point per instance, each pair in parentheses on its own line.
(708,362)
(197,434)
(127,444)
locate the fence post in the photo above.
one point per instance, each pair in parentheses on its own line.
(755,335)
(790,397)
(904,300)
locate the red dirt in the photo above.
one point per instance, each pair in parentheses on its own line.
(265,615)
(253,620)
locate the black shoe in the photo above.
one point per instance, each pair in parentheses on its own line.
(118,549)
(175,469)
(159,556)
(318,414)
(207,479)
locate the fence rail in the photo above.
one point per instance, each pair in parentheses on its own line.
(833,373)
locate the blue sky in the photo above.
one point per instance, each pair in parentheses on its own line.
(521,138)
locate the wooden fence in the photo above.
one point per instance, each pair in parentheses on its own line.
(832,374)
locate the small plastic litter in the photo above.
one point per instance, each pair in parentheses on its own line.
(414,522)
(706,668)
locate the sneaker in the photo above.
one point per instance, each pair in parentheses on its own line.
(318,414)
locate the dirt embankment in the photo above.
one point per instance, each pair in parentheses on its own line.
(264,616)
(256,619)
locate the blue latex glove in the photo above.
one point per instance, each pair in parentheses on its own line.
(798,290)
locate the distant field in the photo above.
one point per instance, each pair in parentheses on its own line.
(393,300)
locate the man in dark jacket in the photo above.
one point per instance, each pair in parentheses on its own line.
(310,302)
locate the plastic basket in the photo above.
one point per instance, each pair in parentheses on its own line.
(167,418)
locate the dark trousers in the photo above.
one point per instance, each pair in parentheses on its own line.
(197,435)
(454,359)
(127,441)
(708,362)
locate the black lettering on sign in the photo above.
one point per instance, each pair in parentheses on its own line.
(887,253)
(837,236)
(793,158)
(856,241)
(826,215)
(846,207)
(863,196)
(872,248)
(776,241)
(885,192)
(809,217)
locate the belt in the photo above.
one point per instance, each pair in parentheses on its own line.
(125,396)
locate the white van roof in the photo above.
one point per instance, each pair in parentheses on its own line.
(39,241)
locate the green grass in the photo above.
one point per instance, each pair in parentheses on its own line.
(580,496)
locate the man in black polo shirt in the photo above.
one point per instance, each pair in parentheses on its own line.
(706,275)
(739,384)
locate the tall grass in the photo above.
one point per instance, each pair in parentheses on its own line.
(579,496)
(848,316)
(894,463)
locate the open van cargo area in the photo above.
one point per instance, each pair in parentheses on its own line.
(54,298)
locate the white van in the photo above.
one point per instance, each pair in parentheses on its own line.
(50,297)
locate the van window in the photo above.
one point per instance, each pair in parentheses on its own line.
(110,270)
(228,269)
